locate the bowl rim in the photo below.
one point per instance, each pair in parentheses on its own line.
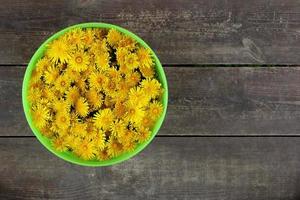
(68,156)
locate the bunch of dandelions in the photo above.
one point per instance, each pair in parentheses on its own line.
(94,93)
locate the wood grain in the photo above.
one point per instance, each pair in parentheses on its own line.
(202,101)
(209,168)
(181,32)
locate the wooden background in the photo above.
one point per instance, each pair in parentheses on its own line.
(232,126)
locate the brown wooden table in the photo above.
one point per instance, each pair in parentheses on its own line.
(233,123)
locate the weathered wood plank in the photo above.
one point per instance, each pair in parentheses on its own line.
(202,101)
(170,168)
(185,32)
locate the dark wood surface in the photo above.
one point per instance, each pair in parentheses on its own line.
(209,168)
(231,130)
(189,32)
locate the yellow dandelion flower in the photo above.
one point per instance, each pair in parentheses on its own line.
(85,150)
(47,94)
(73,118)
(94,98)
(61,106)
(74,38)
(44,102)
(76,142)
(130,146)
(114,147)
(36,76)
(58,50)
(92,59)
(62,132)
(127,137)
(110,87)
(43,64)
(99,47)
(143,134)
(79,61)
(88,37)
(71,141)
(62,120)
(86,74)
(109,101)
(151,87)
(59,144)
(51,74)
(113,37)
(113,74)
(56,93)
(127,42)
(40,115)
(103,155)
(121,96)
(118,128)
(98,80)
(54,128)
(128,141)
(123,89)
(147,72)
(121,53)
(115,99)
(104,45)
(99,33)
(91,128)
(131,61)
(134,113)
(132,79)
(72,95)
(119,110)
(46,131)
(80,83)
(144,57)
(103,119)
(99,140)
(62,83)
(38,96)
(138,97)
(122,85)
(36,83)
(72,75)
(124,69)
(82,107)
(102,61)
(92,135)
(147,121)
(155,109)
(34,95)
(79,129)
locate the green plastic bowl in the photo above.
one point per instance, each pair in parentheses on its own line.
(68,156)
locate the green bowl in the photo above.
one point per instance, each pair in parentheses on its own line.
(68,156)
